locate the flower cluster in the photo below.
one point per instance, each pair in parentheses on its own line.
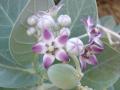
(94,46)
(53,42)
(52,35)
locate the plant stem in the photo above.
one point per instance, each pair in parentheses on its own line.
(106,30)
(77,64)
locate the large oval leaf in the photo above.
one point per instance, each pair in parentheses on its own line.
(20,42)
(9,10)
(15,77)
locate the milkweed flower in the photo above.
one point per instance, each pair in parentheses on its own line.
(95,45)
(90,51)
(51,48)
(87,57)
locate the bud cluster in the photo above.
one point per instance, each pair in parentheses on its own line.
(48,19)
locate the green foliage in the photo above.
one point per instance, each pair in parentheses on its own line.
(12,75)
(63,76)
(108,21)
(100,77)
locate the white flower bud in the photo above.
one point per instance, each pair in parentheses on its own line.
(32,20)
(46,21)
(30,31)
(65,31)
(64,20)
(85,88)
(74,46)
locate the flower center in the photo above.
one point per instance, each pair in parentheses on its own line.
(51,48)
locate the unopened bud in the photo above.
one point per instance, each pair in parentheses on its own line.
(64,20)
(32,20)
(74,46)
(46,22)
(31,31)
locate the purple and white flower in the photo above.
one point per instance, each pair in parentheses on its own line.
(87,57)
(52,48)
(95,45)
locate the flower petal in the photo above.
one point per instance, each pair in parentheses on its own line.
(48,59)
(48,36)
(96,41)
(97,49)
(61,40)
(39,48)
(88,22)
(95,32)
(92,60)
(61,55)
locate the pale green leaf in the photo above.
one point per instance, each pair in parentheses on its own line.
(117,85)
(108,21)
(9,10)
(111,88)
(15,77)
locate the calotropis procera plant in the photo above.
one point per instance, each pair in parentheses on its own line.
(57,46)
(53,42)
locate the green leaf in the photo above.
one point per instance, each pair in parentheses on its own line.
(108,21)
(63,76)
(6,59)
(117,28)
(12,75)
(20,42)
(111,88)
(7,88)
(79,10)
(117,85)
(9,10)
(106,73)
(15,77)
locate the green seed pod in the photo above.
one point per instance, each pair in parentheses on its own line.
(63,76)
